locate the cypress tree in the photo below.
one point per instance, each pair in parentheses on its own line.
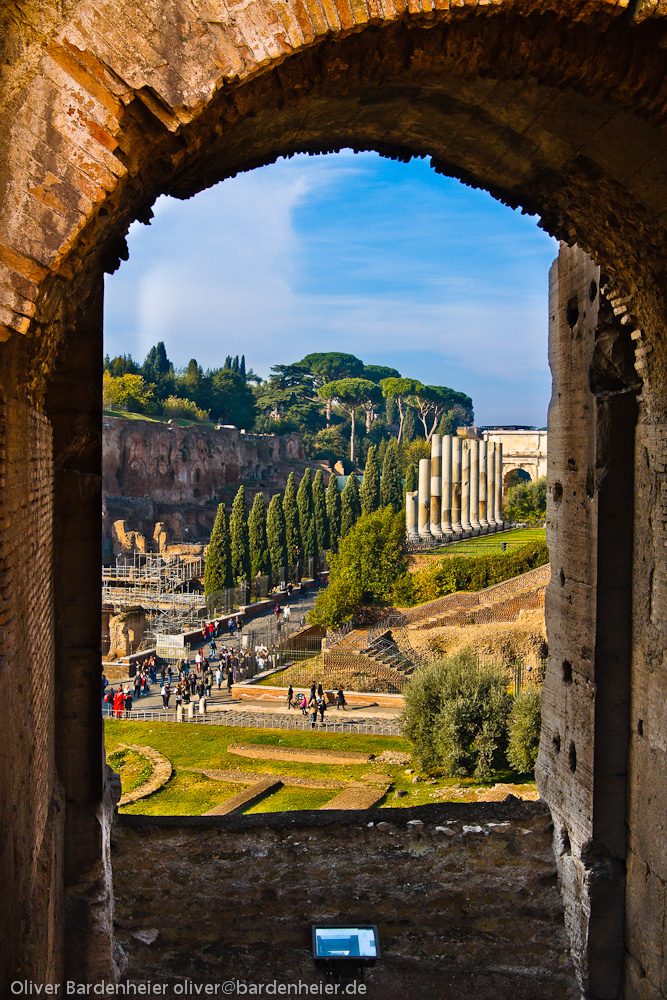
(391,491)
(333,511)
(350,505)
(276,536)
(260,559)
(238,529)
(218,571)
(321,516)
(411,478)
(410,426)
(304,500)
(292,529)
(370,488)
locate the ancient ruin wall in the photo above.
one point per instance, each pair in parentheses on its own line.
(465,898)
(194,464)
(176,476)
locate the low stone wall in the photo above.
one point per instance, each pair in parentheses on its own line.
(465,898)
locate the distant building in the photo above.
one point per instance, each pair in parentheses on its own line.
(524,449)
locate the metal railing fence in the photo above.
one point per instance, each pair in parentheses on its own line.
(259,720)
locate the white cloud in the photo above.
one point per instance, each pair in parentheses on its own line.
(237,270)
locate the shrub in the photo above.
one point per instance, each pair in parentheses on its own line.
(184,409)
(524,727)
(364,571)
(469,573)
(527,502)
(456,715)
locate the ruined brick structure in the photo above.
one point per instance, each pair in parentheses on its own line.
(157,472)
(557,106)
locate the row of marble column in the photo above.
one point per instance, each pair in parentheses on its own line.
(460,490)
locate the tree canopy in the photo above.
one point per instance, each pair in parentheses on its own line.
(351,393)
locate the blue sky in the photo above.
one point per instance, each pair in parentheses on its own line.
(349,252)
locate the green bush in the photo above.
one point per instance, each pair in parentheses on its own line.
(524,727)
(470,573)
(174,406)
(369,561)
(527,502)
(455,716)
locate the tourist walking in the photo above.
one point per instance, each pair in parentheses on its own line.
(340,700)
(230,679)
(165,692)
(322,707)
(290,695)
(312,705)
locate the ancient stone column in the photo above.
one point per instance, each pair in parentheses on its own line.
(483,517)
(491,486)
(499,484)
(446,508)
(474,485)
(465,487)
(411,501)
(456,485)
(424,499)
(436,485)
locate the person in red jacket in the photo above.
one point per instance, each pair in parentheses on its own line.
(118,703)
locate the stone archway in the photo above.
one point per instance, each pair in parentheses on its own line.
(512,476)
(554,106)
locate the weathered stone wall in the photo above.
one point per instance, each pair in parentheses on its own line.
(126,631)
(466,899)
(582,770)
(155,472)
(176,465)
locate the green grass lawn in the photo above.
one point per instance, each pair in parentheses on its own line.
(288,798)
(206,748)
(127,415)
(185,794)
(488,543)
(133,767)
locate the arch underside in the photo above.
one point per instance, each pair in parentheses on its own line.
(558,108)
(558,115)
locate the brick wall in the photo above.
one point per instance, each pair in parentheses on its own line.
(31,816)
